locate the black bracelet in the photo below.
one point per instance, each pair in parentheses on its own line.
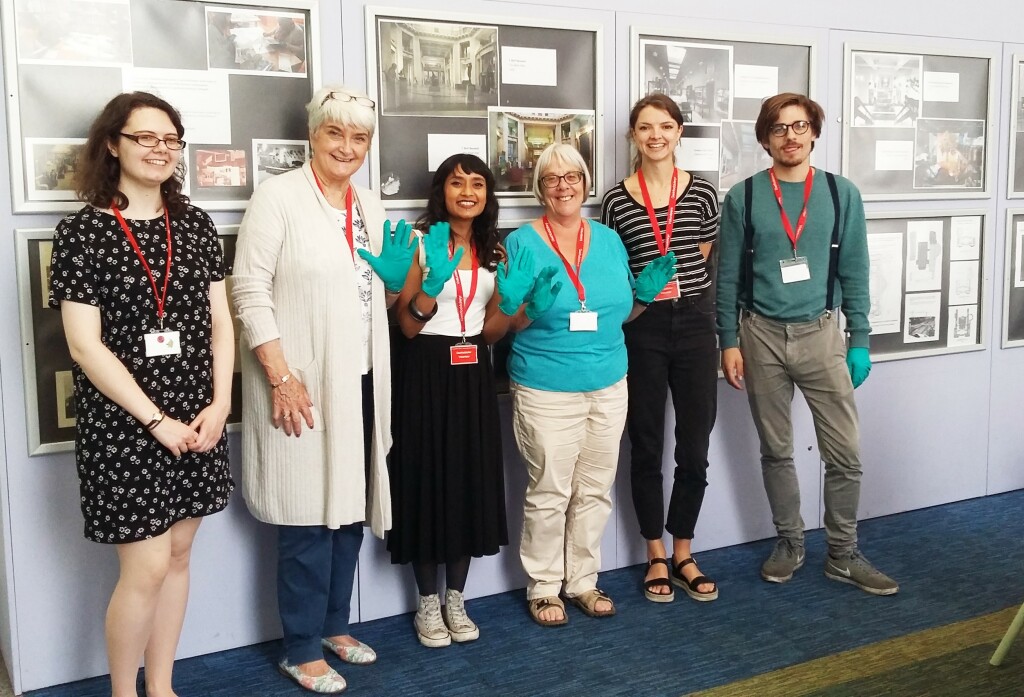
(638,301)
(419,316)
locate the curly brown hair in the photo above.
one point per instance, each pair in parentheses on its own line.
(98,172)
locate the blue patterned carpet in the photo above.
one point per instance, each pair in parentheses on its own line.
(954,562)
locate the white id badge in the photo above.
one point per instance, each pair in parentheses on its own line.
(794,270)
(583,321)
(164,343)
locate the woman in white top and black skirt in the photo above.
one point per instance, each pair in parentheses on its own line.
(447,483)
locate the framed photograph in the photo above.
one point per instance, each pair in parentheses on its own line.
(1013,279)
(215,62)
(448,83)
(718,83)
(273,157)
(926,283)
(46,362)
(917,125)
(1016,179)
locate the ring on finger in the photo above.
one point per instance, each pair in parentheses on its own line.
(287,415)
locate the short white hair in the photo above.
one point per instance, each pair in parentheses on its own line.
(325,108)
(567,155)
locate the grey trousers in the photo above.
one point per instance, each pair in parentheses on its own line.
(812,356)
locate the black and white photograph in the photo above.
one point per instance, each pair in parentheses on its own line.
(886,89)
(74,32)
(517,137)
(1013,279)
(698,77)
(962,329)
(437,68)
(742,155)
(1016,164)
(949,153)
(923,315)
(220,168)
(50,168)
(246,41)
(65,393)
(273,157)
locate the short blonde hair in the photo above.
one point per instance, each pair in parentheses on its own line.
(567,155)
(326,107)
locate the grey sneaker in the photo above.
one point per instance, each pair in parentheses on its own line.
(786,558)
(429,626)
(854,569)
(459,625)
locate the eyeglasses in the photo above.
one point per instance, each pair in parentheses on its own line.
(148,141)
(550,181)
(780,129)
(345,97)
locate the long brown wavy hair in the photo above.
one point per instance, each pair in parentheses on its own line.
(98,173)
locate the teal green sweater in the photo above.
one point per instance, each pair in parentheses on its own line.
(804,300)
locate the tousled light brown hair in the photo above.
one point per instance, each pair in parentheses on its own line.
(97,172)
(773,106)
(658,101)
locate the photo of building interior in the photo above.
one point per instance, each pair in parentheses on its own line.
(697,77)
(517,138)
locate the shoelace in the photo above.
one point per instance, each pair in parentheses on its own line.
(457,613)
(432,615)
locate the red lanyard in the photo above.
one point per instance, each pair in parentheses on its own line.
(663,243)
(348,212)
(160,300)
(462,303)
(573,273)
(802,220)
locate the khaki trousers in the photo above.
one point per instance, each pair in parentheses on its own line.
(570,443)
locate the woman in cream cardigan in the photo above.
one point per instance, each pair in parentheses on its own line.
(315,268)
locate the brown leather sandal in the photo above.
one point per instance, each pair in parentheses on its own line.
(536,605)
(587,602)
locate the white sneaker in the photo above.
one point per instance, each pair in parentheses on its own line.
(429,626)
(459,625)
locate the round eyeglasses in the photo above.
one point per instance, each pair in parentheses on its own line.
(345,97)
(550,181)
(148,141)
(780,129)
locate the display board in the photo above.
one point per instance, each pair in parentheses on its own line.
(718,83)
(1013,280)
(1016,181)
(500,88)
(49,388)
(917,125)
(927,283)
(216,62)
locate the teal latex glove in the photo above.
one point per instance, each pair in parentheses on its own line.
(514,280)
(544,293)
(439,267)
(858,360)
(395,255)
(653,278)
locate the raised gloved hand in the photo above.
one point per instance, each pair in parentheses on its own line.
(544,293)
(439,266)
(653,278)
(858,360)
(514,279)
(395,255)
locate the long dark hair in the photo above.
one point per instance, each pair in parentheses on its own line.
(658,101)
(485,225)
(98,172)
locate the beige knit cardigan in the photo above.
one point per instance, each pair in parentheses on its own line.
(294,280)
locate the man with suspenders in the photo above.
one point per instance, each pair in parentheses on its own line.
(794,249)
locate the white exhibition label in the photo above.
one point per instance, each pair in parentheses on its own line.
(440,146)
(529,66)
(201,96)
(755,81)
(941,87)
(891,155)
(699,154)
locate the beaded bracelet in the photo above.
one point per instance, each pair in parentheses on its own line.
(417,314)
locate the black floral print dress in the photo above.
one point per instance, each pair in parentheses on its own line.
(132,488)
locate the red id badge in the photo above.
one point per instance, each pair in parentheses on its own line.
(463,354)
(669,292)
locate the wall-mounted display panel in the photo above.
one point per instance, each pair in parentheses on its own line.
(718,83)
(500,88)
(49,387)
(917,125)
(1016,181)
(928,291)
(1013,280)
(216,62)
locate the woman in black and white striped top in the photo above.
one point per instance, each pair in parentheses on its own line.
(672,345)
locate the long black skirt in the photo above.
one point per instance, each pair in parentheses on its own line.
(447,478)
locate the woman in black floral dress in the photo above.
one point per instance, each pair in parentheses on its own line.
(138,276)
